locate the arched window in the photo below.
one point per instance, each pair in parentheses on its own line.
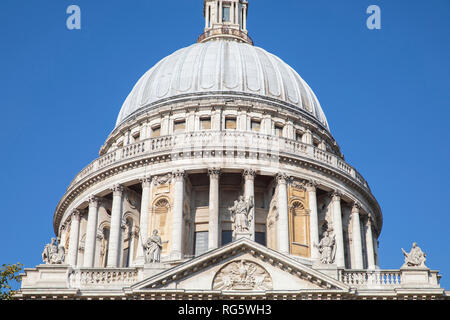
(299,230)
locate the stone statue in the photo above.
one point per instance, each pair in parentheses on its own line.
(327,248)
(53,254)
(415,258)
(241,214)
(153,247)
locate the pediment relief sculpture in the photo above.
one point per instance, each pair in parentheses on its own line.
(242,275)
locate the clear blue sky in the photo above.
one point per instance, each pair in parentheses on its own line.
(386,95)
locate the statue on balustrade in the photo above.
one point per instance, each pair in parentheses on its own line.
(327,248)
(53,254)
(153,247)
(241,214)
(415,258)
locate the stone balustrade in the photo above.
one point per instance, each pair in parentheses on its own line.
(365,278)
(218,141)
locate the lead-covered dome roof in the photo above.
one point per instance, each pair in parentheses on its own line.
(222,66)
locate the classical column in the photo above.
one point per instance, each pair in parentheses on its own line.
(214,222)
(116,223)
(74,237)
(337,229)
(245,18)
(283,214)
(356,237)
(177,214)
(313,220)
(369,244)
(249,192)
(143,222)
(91,233)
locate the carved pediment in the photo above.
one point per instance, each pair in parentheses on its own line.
(242,275)
(241,266)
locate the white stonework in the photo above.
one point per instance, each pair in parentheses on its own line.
(213,123)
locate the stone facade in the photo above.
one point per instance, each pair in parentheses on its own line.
(221,193)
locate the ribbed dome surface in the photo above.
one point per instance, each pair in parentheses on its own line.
(222,65)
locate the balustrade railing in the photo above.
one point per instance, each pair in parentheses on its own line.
(366,278)
(215,140)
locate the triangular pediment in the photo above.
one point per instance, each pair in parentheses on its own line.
(242,265)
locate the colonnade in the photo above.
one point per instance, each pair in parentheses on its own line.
(178,180)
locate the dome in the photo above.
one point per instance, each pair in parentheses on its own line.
(222,66)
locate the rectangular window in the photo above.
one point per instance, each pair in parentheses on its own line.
(260,237)
(230,123)
(256,125)
(226,14)
(299,136)
(156,131)
(205,123)
(315,143)
(136,137)
(278,130)
(227,237)
(179,126)
(200,242)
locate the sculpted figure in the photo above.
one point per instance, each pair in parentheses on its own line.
(327,248)
(153,247)
(415,258)
(240,214)
(53,254)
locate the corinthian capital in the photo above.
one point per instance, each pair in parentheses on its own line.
(146,181)
(178,175)
(214,173)
(117,189)
(93,201)
(356,207)
(336,195)
(249,174)
(75,215)
(282,178)
(311,186)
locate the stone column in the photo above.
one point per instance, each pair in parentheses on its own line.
(356,237)
(249,192)
(375,249)
(116,223)
(143,222)
(245,18)
(313,220)
(283,214)
(369,244)
(74,238)
(337,229)
(91,233)
(214,221)
(177,214)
